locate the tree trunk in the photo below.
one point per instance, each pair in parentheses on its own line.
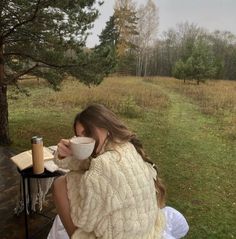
(146,62)
(4,128)
(139,64)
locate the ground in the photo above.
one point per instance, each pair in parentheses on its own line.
(12,226)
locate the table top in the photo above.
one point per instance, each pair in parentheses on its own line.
(28,173)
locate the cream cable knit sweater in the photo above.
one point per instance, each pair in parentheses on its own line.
(115,198)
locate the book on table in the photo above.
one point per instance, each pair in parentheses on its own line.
(24,160)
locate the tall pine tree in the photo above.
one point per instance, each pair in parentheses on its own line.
(35,38)
(106,50)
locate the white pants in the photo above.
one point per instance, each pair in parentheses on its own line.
(176,226)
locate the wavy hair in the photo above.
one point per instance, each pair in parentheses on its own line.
(98,116)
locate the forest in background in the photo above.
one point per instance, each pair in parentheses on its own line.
(47,39)
(137,48)
(188,130)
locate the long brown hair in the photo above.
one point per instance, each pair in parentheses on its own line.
(98,116)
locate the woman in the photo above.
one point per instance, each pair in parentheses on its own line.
(116,193)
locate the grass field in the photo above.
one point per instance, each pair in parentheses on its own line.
(189,130)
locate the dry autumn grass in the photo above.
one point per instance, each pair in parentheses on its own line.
(182,126)
(215,97)
(124,95)
(131,95)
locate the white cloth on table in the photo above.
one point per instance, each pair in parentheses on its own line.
(39,187)
(176,226)
(50,165)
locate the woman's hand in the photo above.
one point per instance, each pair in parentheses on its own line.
(63,149)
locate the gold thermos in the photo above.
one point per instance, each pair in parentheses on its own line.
(37,154)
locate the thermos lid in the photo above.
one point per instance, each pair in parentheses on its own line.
(36,140)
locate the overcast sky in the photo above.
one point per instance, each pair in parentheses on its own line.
(210,14)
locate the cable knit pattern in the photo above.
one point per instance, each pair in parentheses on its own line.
(115,198)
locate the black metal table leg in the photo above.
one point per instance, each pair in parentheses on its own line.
(29,194)
(26,175)
(25,209)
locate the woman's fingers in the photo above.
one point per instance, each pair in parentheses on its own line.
(63,148)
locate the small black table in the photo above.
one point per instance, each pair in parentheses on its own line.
(26,174)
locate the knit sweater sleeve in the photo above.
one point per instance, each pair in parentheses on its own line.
(71,163)
(87,206)
(115,198)
(61,163)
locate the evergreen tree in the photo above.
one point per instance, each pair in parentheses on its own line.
(179,70)
(199,66)
(36,37)
(110,34)
(106,50)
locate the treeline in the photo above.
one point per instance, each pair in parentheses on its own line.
(186,51)
(217,51)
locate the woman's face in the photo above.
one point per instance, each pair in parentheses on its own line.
(100,132)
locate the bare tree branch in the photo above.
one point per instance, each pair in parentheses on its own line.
(14,78)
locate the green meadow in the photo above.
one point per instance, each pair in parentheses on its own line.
(188,130)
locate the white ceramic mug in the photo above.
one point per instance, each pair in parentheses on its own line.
(82,147)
